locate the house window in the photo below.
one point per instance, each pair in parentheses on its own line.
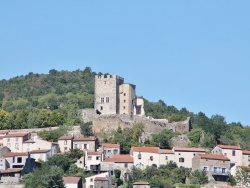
(248,157)
(124,107)
(8,139)
(215,169)
(124,94)
(102,100)
(91,179)
(19,159)
(223,170)
(151,158)
(91,186)
(75,146)
(124,101)
(85,146)
(101,108)
(181,160)
(166,158)
(107,99)
(16,139)
(225,154)
(125,165)
(109,151)
(65,142)
(115,151)
(205,168)
(139,156)
(233,153)
(98,158)
(16,146)
(89,158)
(65,148)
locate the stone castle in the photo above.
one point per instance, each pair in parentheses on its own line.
(113,96)
(116,105)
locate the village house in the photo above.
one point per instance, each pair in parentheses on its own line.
(216,166)
(234,153)
(124,163)
(42,155)
(105,181)
(65,143)
(2,134)
(72,182)
(92,161)
(85,143)
(151,156)
(184,156)
(246,158)
(14,141)
(110,149)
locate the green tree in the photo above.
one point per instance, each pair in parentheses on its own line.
(198,177)
(86,129)
(61,161)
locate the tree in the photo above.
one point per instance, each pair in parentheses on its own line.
(86,128)
(61,161)
(198,177)
(242,176)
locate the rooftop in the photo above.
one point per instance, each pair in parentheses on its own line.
(246,152)
(85,139)
(120,159)
(13,154)
(11,170)
(65,138)
(70,179)
(145,149)
(229,147)
(40,151)
(101,179)
(10,135)
(214,157)
(166,151)
(189,149)
(94,153)
(106,145)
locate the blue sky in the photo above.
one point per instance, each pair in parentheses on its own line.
(192,54)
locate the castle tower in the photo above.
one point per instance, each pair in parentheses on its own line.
(107,100)
(127,99)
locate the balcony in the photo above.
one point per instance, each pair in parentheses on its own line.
(220,173)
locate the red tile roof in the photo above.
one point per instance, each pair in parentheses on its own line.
(13,154)
(10,135)
(65,138)
(101,179)
(40,151)
(94,153)
(189,149)
(106,145)
(246,152)
(145,149)
(141,183)
(4,131)
(11,170)
(85,139)
(120,159)
(229,147)
(166,151)
(213,157)
(71,179)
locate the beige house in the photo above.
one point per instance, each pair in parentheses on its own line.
(246,158)
(65,143)
(234,153)
(110,149)
(42,155)
(141,184)
(216,166)
(102,182)
(151,156)
(90,181)
(92,161)
(2,134)
(72,182)
(85,144)
(124,163)
(14,141)
(184,156)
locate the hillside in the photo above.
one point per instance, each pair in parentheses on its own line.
(45,100)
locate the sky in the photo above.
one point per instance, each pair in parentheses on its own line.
(193,54)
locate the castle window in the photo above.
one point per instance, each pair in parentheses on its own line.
(107,99)
(101,108)
(102,99)
(181,160)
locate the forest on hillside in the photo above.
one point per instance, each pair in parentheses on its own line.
(53,99)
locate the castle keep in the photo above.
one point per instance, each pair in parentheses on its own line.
(113,96)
